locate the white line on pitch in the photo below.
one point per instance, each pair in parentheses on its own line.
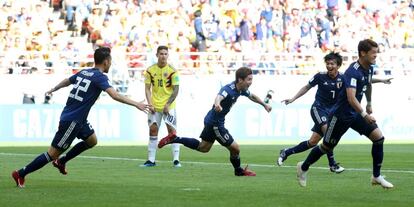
(210,163)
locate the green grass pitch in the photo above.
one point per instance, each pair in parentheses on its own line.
(111,176)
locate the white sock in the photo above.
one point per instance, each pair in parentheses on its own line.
(152,148)
(175,148)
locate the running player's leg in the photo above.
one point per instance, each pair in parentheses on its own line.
(319,117)
(89,140)
(301,147)
(377,151)
(336,128)
(207,136)
(63,139)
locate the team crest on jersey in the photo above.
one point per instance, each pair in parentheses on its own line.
(338,85)
(165,75)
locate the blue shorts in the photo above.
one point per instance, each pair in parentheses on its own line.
(320,118)
(68,131)
(220,133)
(338,126)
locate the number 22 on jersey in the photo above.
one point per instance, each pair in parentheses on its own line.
(78,88)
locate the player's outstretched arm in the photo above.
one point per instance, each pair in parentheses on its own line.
(300,93)
(123,99)
(256,99)
(385,81)
(64,83)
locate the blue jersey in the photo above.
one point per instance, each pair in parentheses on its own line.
(328,89)
(230,94)
(88,85)
(355,77)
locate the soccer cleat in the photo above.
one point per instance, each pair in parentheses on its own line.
(19,180)
(246,172)
(336,168)
(380,180)
(166,140)
(148,164)
(282,157)
(61,167)
(176,163)
(301,175)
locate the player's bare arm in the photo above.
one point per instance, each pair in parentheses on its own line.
(64,83)
(300,93)
(385,81)
(350,93)
(123,99)
(368,93)
(256,99)
(217,101)
(148,96)
(172,98)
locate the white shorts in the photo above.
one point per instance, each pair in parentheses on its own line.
(170,119)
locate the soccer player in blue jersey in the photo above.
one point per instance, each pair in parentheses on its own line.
(348,113)
(329,84)
(214,128)
(87,86)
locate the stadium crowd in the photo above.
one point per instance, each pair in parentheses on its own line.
(59,34)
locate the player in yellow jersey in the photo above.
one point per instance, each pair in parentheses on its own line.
(161,89)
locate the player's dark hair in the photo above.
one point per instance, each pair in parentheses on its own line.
(334,56)
(101,54)
(366,45)
(242,73)
(161,47)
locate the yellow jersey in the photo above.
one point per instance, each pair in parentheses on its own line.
(162,81)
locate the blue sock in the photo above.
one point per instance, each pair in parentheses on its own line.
(75,151)
(188,142)
(235,161)
(377,153)
(313,156)
(36,164)
(331,158)
(303,146)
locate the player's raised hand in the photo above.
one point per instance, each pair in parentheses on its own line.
(287,101)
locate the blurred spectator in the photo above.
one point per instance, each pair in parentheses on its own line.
(200,40)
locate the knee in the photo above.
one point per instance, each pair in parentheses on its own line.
(53,153)
(234,151)
(204,149)
(312,142)
(153,130)
(92,143)
(378,141)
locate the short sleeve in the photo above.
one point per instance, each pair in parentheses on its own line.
(351,79)
(148,77)
(72,79)
(246,93)
(103,82)
(175,79)
(223,92)
(314,80)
